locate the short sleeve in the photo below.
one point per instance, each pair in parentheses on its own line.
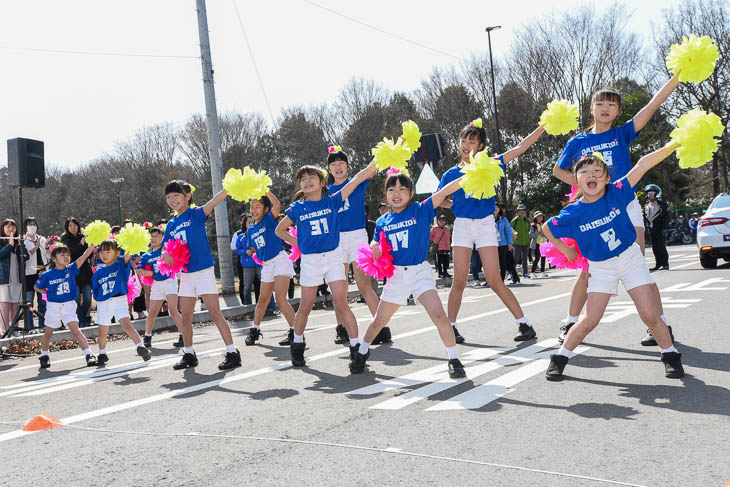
(561,225)
(568,157)
(426,209)
(292,212)
(623,190)
(73,270)
(627,132)
(41,282)
(199,215)
(335,201)
(378,228)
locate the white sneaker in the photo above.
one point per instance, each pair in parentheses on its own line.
(544,274)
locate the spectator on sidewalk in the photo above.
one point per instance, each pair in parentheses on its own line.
(693,226)
(244,221)
(441,238)
(37,247)
(11,272)
(521,225)
(536,238)
(504,244)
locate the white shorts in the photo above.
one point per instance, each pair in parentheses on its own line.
(407,280)
(628,267)
(319,268)
(278,266)
(635,214)
(481,232)
(199,283)
(350,242)
(161,289)
(116,307)
(60,312)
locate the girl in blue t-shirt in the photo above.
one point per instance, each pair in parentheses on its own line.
(407,228)
(109,287)
(277,269)
(59,285)
(600,224)
(353,234)
(163,289)
(318,236)
(474,225)
(613,144)
(198,280)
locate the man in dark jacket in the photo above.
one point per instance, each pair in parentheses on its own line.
(657,215)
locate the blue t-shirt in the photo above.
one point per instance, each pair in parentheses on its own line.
(352,214)
(318,227)
(110,281)
(612,144)
(60,285)
(408,232)
(262,236)
(150,258)
(464,206)
(603,228)
(190,228)
(242,245)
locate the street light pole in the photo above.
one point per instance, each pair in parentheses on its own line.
(503,182)
(117,182)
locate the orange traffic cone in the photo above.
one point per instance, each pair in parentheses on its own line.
(42,422)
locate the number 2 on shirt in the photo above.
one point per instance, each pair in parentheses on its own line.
(319,226)
(609,236)
(397,237)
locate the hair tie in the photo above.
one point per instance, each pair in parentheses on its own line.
(476,123)
(334,148)
(395,170)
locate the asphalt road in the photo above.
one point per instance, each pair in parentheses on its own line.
(614,421)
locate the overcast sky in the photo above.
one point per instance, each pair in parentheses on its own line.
(80,104)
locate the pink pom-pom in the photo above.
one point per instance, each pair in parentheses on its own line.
(556,258)
(147,224)
(147,280)
(393,170)
(180,253)
(256,259)
(133,289)
(378,268)
(295,252)
(573,193)
(44,296)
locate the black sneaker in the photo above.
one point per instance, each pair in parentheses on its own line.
(147,340)
(673,365)
(253,335)
(179,343)
(357,365)
(341,335)
(144,353)
(526,332)
(90,360)
(457,335)
(232,360)
(648,340)
(45,361)
(564,332)
(187,360)
(297,354)
(456,369)
(102,359)
(555,369)
(289,338)
(383,336)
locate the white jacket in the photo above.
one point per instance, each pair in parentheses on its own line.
(32,263)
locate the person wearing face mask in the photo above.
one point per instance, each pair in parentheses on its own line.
(37,247)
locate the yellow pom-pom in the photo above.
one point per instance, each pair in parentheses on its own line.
(481,175)
(560,117)
(247,184)
(695,133)
(694,58)
(391,154)
(411,135)
(477,123)
(134,239)
(97,231)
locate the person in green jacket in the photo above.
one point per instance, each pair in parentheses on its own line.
(521,225)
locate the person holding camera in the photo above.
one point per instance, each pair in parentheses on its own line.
(39,255)
(11,272)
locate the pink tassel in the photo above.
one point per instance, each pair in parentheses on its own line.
(133,289)
(379,268)
(180,253)
(573,193)
(295,252)
(557,258)
(147,280)
(256,259)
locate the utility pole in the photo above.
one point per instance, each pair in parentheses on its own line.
(117,182)
(222,231)
(503,182)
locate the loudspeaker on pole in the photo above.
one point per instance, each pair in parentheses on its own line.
(26,166)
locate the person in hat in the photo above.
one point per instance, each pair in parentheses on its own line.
(657,214)
(694,219)
(521,225)
(536,238)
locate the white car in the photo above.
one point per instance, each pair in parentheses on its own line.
(713,232)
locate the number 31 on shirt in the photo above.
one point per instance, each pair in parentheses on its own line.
(319,226)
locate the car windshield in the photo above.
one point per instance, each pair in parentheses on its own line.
(722,201)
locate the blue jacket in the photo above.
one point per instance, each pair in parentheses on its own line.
(6,253)
(504,232)
(242,246)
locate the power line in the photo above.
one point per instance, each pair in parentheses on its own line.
(383,31)
(97,53)
(253,62)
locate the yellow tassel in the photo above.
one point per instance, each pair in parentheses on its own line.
(391,154)
(560,117)
(694,58)
(411,135)
(481,175)
(247,184)
(134,239)
(696,132)
(97,231)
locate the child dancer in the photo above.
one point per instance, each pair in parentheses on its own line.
(352,234)
(277,269)
(407,228)
(163,287)
(474,225)
(600,222)
(188,225)
(613,144)
(59,286)
(109,287)
(318,237)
